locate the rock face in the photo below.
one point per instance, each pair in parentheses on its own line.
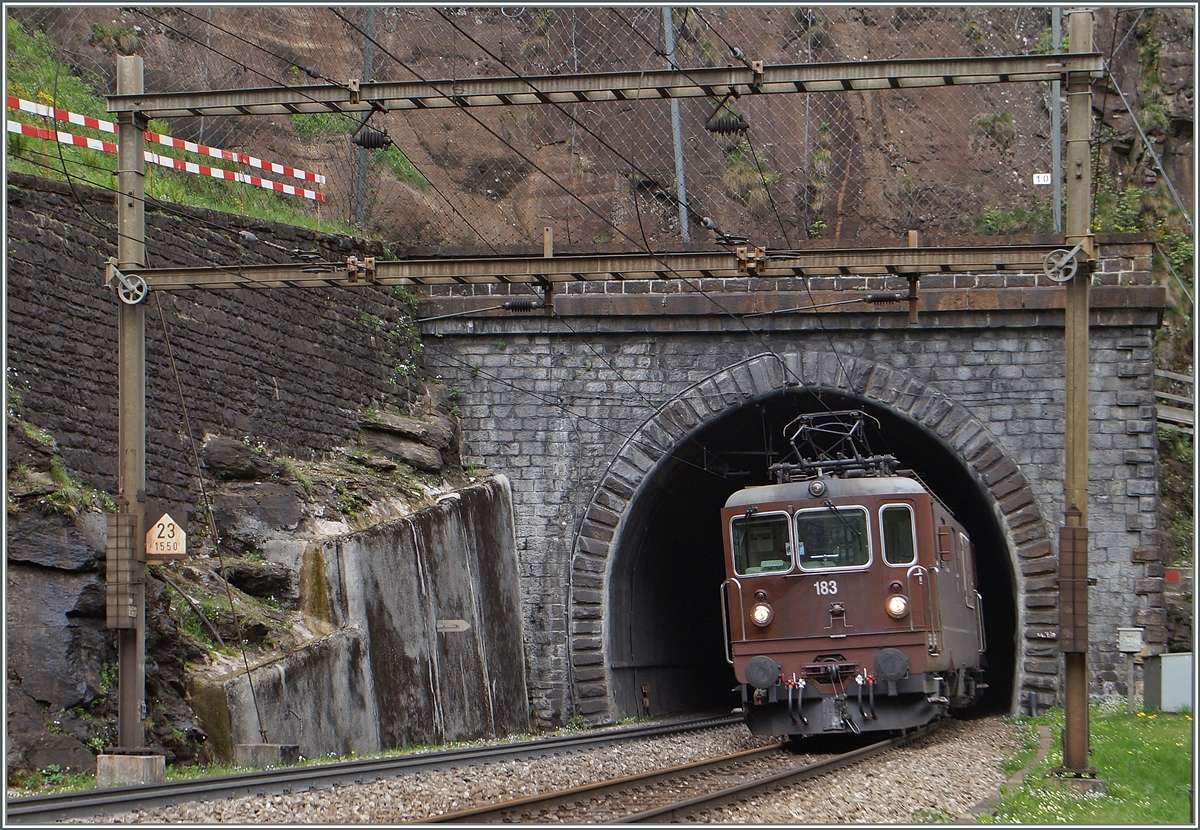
(225,458)
(62,658)
(248,513)
(427,646)
(424,444)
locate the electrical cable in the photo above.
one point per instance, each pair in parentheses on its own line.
(694,210)
(53,118)
(183,407)
(762,175)
(310,72)
(737,53)
(568,192)
(821,321)
(208,512)
(1171,268)
(637,205)
(313,74)
(1153,155)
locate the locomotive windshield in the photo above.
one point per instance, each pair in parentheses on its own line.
(832,538)
(761,544)
(898,548)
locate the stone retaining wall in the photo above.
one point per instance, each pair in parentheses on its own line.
(563,403)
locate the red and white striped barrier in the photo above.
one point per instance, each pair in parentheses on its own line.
(165,161)
(201,149)
(241,158)
(61,137)
(16,103)
(233,176)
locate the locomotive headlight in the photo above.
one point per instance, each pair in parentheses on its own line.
(897,606)
(761,614)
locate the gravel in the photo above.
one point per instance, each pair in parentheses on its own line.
(937,778)
(943,775)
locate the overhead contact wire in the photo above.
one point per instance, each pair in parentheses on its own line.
(666,266)
(285,85)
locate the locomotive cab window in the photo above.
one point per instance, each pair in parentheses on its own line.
(761,544)
(834,537)
(898,535)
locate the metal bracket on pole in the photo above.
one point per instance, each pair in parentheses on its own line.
(749,260)
(364,270)
(757,68)
(131,288)
(1061,265)
(914,281)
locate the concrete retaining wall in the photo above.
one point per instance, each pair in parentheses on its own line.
(388,677)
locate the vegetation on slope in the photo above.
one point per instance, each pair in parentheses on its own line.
(34,74)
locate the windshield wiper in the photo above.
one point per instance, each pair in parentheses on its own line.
(829,503)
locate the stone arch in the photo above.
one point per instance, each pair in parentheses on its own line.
(1027,537)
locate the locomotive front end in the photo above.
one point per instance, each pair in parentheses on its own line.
(840,609)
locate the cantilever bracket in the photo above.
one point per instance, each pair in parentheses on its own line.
(757,68)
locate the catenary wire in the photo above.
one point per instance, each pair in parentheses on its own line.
(284,84)
(766,185)
(636,201)
(568,192)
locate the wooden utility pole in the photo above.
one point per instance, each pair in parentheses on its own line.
(126,588)
(1073,543)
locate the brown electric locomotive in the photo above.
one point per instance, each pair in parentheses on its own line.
(850,601)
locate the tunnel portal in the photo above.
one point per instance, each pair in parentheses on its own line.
(665,635)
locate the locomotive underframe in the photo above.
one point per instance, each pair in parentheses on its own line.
(809,708)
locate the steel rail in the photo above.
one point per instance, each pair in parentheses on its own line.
(522,809)
(516,810)
(740,792)
(40,809)
(481,270)
(755,78)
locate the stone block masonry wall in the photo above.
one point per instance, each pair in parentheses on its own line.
(288,367)
(552,403)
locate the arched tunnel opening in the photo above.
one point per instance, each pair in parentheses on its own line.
(666,637)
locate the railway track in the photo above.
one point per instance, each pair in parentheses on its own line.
(41,809)
(674,793)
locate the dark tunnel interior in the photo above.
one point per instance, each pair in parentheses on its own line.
(667,647)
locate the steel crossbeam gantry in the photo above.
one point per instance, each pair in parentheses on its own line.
(908,262)
(755,78)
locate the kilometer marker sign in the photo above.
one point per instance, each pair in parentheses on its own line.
(166,540)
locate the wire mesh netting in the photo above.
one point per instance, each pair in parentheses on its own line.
(944,161)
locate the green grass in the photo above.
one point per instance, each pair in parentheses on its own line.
(34,73)
(1145,760)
